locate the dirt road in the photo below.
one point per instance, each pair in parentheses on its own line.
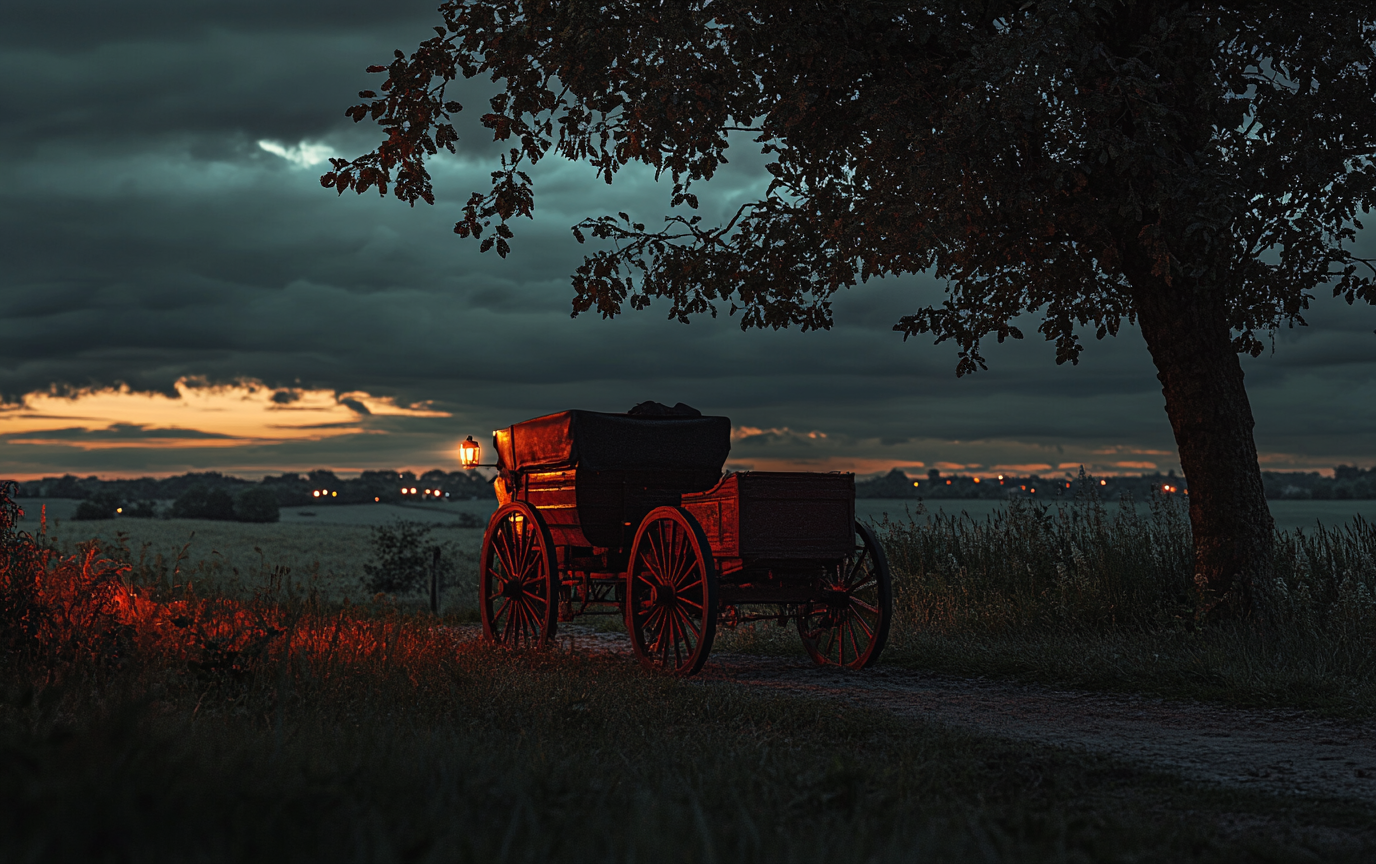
(1289,752)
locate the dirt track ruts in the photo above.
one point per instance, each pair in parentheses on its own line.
(1281,751)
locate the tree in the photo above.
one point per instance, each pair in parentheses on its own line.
(203,502)
(257,504)
(1191,168)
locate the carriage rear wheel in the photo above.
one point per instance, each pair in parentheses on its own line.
(518,583)
(850,627)
(671,593)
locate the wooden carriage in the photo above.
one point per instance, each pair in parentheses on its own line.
(629,514)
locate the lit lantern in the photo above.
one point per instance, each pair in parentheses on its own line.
(470,452)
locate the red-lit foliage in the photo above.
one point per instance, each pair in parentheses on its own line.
(85,614)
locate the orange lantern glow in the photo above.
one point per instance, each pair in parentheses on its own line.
(470,452)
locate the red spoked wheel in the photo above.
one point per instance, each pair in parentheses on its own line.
(517,585)
(671,593)
(850,627)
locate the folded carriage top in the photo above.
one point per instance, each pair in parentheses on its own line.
(596,441)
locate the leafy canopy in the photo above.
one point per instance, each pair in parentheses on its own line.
(1018,151)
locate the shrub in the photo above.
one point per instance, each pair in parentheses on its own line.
(257,505)
(140,510)
(402,558)
(201,502)
(101,506)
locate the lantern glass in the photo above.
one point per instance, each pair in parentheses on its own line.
(470,452)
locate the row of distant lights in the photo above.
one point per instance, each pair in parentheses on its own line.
(427,492)
(1067,485)
(326,493)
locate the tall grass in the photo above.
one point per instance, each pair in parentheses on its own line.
(1100,596)
(144,718)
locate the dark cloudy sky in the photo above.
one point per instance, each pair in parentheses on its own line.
(163,229)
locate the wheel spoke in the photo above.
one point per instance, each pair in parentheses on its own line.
(506,601)
(868,607)
(851,629)
(859,563)
(502,550)
(687,621)
(509,627)
(676,640)
(869,632)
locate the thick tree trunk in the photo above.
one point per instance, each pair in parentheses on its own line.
(1188,335)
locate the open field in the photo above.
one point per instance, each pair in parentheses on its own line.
(367,737)
(145,718)
(1080,598)
(1289,515)
(224,556)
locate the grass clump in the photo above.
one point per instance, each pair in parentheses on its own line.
(1100,597)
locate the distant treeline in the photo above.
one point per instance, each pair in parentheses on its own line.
(297,490)
(289,490)
(1348,482)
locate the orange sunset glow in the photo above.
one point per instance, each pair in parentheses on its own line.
(197,416)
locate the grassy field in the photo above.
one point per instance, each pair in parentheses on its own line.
(1103,598)
(238,556)
(1089,596)
(391,742)
(153,718)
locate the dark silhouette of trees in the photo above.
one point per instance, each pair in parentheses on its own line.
(203,502)
(1191,168)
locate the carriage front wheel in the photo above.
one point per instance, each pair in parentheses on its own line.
(516,585)
(671,593)
(850,627)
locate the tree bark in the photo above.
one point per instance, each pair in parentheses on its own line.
(1186,330)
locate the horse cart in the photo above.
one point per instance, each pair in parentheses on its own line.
(630,515)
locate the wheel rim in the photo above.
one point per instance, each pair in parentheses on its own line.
(516,579)
(850,628)
(672,605)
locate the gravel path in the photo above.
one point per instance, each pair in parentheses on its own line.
(1281,751)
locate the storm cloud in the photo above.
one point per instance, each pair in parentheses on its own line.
(161,221)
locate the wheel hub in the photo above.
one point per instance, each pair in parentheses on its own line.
(513,588)
(662,595)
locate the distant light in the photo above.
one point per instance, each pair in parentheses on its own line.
(948,482)
(1000,478)
(119,509)
(375,498)
(915,483)
(976,479)
(334,494)
(1034,491)
(1103,482)
(315,493)
(413,490)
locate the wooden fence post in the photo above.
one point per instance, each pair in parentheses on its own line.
(435,580)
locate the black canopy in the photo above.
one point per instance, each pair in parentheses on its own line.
(605,442)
